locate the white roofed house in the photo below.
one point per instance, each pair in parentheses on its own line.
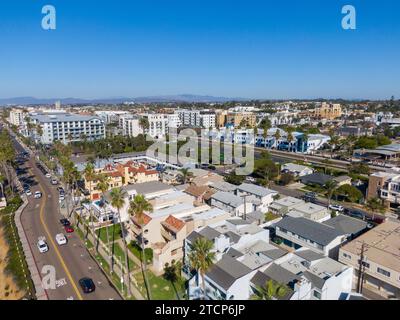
(231,203)
(296,169)
(241,250)
(261,197)
(307,275)
(319,237)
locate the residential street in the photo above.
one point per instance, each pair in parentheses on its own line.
(71,261)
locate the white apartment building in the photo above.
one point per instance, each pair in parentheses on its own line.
(67,127)
(158,124)
(207,119)
(110,116)
(174,121)
(17,117)
(130,125)
(190,118)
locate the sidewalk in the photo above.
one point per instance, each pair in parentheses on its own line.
(30,260)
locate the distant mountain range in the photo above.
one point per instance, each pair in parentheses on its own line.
(160,99)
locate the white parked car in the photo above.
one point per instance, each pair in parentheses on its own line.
(61,239)
(28,192)
(42,245)
(48,175)
(336,207)
(37,195)
(250,179)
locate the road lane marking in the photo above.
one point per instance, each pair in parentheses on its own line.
(55,246)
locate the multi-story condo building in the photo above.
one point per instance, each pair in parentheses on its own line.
(174,121)
(189,118)
(110,116)
(17,117)
(66,127)
(220,118)
(158,124)
(207,119)
(328,111)
(130,125)
(375,258)
(384,185)
(235,119)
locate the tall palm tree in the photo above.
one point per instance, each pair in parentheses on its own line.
(103,186)
(118,196)
(272,290)
(330,187)
(138,207)
(201,258)
(277,136)
(90,174)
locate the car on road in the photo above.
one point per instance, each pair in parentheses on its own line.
(61,239)
(87,285)
(28,192)
(336,207)
(61,197)
(60,189)
(65,222)
(54,182)
(48,175)
(68,229)
(42,245)
(37,195)
(250,179)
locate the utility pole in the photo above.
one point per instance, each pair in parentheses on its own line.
(244,212)
(361,269)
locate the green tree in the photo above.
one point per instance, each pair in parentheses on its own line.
(349,192)
(185,175)
(172,273)
(201,258)
(103,185)
(272,290)
(330,188)
(375,205)
(118,196)
(137,208)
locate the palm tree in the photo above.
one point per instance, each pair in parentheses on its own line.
(118,196)
(186,175)
(172,274)
(201,258)
(138,206)
(277,136)
(375,204)
(89,174)
(103,185)
(290,138)
(330,187)
(271,291)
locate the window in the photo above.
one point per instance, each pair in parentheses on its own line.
(317,294)
(347,256)
(384,272)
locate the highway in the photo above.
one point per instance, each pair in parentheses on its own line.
(71,261)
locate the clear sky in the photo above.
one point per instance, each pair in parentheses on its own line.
(233,48)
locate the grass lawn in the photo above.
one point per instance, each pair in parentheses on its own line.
(102,233)
(89,245)
(161,289)
(137,251)
(315,189)
(120,255)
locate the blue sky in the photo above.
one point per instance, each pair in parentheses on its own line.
(233,48)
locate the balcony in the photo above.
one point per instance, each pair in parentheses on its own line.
(168,235)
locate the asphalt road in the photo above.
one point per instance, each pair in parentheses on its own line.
(71,261)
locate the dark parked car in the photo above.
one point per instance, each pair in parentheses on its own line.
(87,285)
(65,222)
